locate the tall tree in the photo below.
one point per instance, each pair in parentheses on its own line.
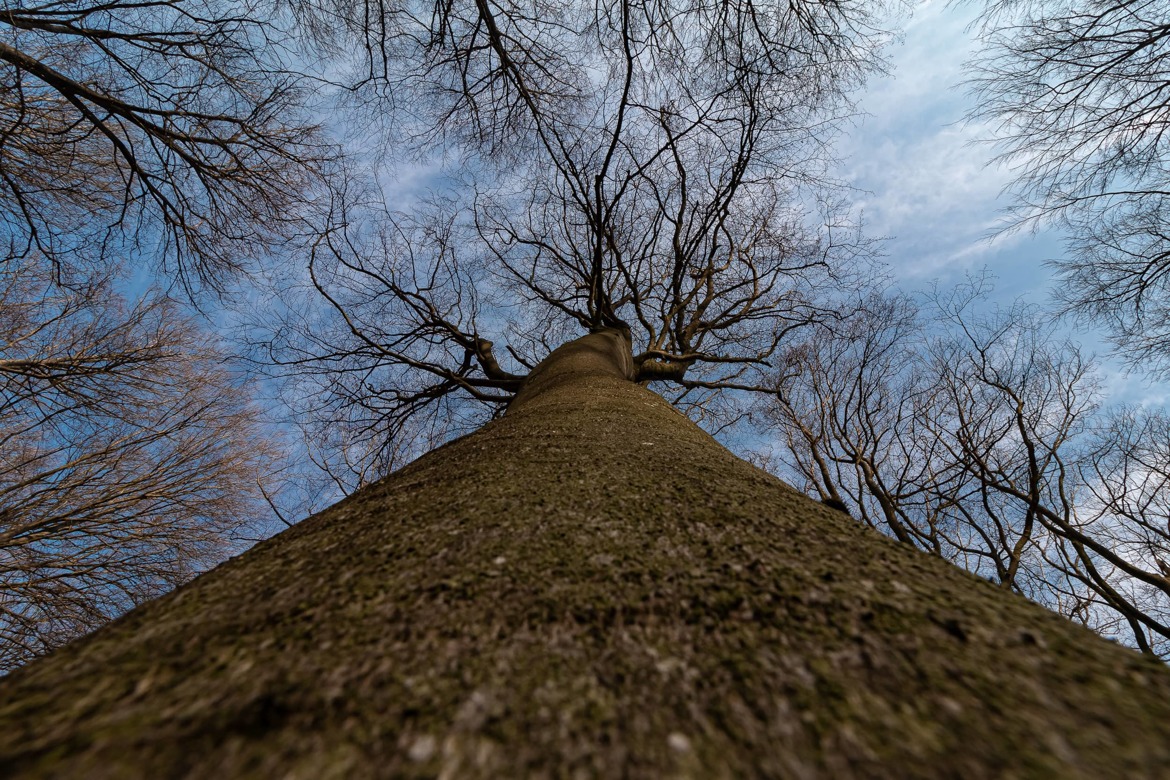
(170,128)
(1077,93)
(130,456)
(588,586)
(658,166)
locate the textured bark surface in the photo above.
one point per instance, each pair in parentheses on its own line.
(587,587)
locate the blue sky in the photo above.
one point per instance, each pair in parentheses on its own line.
(925,181)
(930,188)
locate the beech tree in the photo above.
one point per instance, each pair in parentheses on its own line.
(980,438)
(1075,92)
(587,585)
(646,165)
(675,203)
(131,458)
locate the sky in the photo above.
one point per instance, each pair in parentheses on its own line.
(925,181)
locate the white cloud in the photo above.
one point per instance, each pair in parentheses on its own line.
(927,184)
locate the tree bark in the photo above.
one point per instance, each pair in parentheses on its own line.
(589,586)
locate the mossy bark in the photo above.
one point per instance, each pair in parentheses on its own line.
(587,587)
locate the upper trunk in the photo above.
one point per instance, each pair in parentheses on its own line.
(589,586)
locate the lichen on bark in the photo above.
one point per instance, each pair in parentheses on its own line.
(589,586)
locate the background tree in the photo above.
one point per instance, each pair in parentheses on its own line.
(169,131)
(1077,94)
(155,137)
(130,459)
(978,437)
(1114,559)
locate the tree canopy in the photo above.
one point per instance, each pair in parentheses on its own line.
(657,166)
(1076,93)
(132,458)
(172,131)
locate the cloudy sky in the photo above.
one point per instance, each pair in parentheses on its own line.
(930,187)
(926,183)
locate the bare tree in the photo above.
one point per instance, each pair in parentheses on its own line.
(129,459)
(1078,95)
(978,438)
(588,586)
(848,409)
(653,166)
(168,129)
(1115,555)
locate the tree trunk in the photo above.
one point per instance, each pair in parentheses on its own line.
(587,587)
